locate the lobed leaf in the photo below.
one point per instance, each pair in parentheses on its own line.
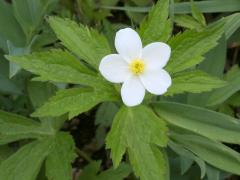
(73,101)
(58,162)
(156,27)
(56,65)
(197,14)
(86,43)
(26,162)
(189,47)
(187,21)
(138,130)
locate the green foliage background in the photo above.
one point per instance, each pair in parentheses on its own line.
(49,56)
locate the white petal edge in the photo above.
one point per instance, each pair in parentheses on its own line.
(128,44)
(114,68)
(156,81)
(156,55)
(132,91)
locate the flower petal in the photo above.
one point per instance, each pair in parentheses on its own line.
(114,68)
(128,44)
(132,91)
(156,81)
(156,55)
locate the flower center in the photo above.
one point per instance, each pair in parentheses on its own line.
(137,66)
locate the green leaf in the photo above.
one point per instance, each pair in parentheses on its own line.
(189,47)
(138,130)
(156,27)
(213,173)
(106,113)
(56,65)
(220,95)
(197,14)
(213,64)
(90,172)
(30,13)
(187,22)
(202,121)
(186,154)
(206,6)
(38,98)
(14,127)
(13,67)
(10,29)
(26,162)
(58,162)
(5,152)
(73,101)
(211,151)
(7,86)
(232,24)
(87,43)
(120,173)
(195,82)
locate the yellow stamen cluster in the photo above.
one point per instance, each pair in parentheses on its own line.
(137,66)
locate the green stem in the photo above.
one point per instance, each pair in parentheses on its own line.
(83,154)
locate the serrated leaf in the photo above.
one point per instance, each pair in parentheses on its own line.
(56,65)
(189,47)
(213,64)
(211,151)
(197,14)
(58,162)
(138,130)
(202,121)
(194,82)
(26,162)
(156,27)
(73,101)
(187,21)
(87,43)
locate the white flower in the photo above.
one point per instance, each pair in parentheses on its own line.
(136,67)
